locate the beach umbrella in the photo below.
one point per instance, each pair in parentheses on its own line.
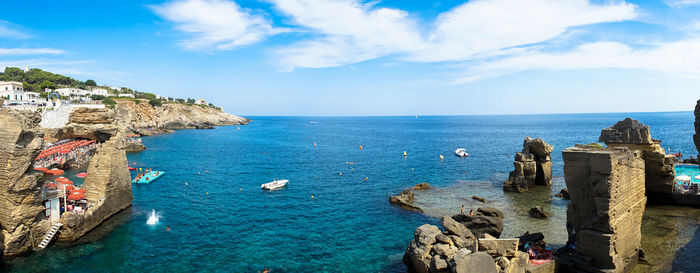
(683,178)
(62,179)
(41,169)
(81,175)
(69,187)
(55,172)
(76,196)
(65,151)
(67,182)
(83,191)
(50,185)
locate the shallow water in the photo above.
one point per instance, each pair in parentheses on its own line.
(221,221)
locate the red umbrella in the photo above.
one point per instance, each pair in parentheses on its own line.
(67,182)
(55,172)
(83,191)
(65,151)
(76,196)
(62,179)
(41,169)
(50,185)
(69,187)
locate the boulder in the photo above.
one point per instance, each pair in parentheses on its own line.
(444,250)
(628,131)
(405,200)
(538,212)
(529,237)
(417,256)
(422,186)
(502,262)
(466,262)
(486,220)
(439,264)
(460,242)
(442,238)
(531,166)
(480,199)
(563,193)
(537,147)
(455,228)
(499,247)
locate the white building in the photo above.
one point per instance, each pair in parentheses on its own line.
(201,101)
(99,91)
(72,92)
(13,94)
(126,95)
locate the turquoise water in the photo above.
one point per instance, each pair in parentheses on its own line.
(148,177)
(221,221)
(692,171)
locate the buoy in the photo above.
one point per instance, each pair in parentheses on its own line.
(442,157)
(140,169)
(312,196)
(207,193)
(411,169)
(314,144)
(241,188)
(365,179)
(404,153)
(360,147)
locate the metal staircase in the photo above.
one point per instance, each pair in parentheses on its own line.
(49,235)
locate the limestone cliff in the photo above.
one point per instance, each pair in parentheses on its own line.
(108,188)
(146,119)
(605,213)
(20,194)
(696,137)
(660,173)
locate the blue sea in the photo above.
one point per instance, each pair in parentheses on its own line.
(221,221)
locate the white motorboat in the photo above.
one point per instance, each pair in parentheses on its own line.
(274,185)
(461,152)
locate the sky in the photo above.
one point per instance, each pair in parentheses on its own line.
(390,57)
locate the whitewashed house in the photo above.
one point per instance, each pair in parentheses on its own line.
(201,102)
(125,95)
(99,91)
(12,91)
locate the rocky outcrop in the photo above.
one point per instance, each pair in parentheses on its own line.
(659,171)
(108,188)
(487,220)
(20,197)
(696,137)
(457,250)
(81,115)
(531,166)
(538,212)
(134,147)
(405,200)
(145,119)
(422,186)
(605,212)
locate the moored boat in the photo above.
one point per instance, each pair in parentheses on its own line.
(277,184)
(461,152)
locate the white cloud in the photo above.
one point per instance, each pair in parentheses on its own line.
(349,32)
(8,30)
(346,31)
(482,28)
(30,51)
(215,24)
(681,3)
(680,58)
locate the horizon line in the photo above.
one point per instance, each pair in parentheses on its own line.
(450,115)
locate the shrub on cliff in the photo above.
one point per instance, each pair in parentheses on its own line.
(155,102)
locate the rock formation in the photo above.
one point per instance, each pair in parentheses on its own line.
(605,212)
(458,250)
(531,166)
(21,210)
(405,200)
(145,119)
(660,173)
(108,186)
(487,220)
(537,212)
(696,137)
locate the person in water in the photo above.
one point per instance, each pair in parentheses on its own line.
(167,228)
(471,212)
(462,209)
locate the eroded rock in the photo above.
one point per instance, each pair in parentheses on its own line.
(405,200)
(487,220)
(531,166)
(538,212)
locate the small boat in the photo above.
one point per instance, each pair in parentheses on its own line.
(277,184)
(148,177)
(313,122)
(461,152)
(132,168)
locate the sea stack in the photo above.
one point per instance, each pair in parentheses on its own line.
(659,169)
(531,166)
(605,213)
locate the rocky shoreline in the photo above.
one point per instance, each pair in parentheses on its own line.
(108,183)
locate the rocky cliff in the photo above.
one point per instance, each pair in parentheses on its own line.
(659,171)
(605,213)
(531,166)
(21,219)
(696,137)
(145,119)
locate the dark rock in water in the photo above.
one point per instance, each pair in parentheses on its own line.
(486,221)
(531,166)
(405,200)
(489,211)
(538,212)
(479,199)
(564,193)
(422,186)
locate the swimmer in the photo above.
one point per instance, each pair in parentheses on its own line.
(167,228)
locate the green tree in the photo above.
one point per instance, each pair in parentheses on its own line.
(90,83)
(47,84)
(190,101)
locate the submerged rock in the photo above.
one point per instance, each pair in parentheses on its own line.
(422,186)
(405,200)
(537,212)
(486,221)
(563,193)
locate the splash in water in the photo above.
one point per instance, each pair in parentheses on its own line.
(153,219)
